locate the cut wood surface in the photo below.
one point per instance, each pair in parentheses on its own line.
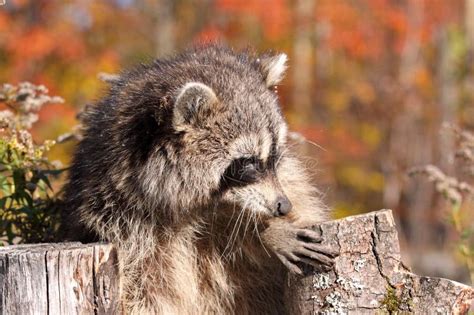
(369,276)
(65,278)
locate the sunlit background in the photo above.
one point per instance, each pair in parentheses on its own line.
(369,85)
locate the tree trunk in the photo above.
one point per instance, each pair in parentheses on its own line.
(369,277)
(469,9)
(410,129)
(162,15)
(303,52)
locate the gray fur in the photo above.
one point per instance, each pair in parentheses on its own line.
(182,166)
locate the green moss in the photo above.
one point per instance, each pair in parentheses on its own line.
(391,301)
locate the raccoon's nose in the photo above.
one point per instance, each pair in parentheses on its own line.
(282,206)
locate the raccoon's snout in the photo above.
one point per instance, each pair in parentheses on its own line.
(282,206)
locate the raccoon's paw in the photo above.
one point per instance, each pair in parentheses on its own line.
(305,246)
(295,245)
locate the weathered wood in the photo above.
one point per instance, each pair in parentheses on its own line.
(106,284)
(67,278)
(369,276)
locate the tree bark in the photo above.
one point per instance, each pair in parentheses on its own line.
(369,276)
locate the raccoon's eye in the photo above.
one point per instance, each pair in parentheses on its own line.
(244,170)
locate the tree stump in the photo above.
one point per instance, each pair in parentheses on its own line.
(66,278)
(369,277)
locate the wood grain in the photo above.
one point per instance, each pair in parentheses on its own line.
(65,278)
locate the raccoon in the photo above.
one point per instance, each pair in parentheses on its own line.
(186,167)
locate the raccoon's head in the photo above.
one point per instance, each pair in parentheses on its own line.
(232,135)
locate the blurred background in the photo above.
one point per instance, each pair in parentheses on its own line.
(369,86)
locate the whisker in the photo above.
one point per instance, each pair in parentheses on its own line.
(258,235)
(282,154)
(239,222)
(249,216)
(233,213)
(315,144)
(236,235)
(229,241)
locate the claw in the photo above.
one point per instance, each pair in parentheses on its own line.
(306,253)
(291,267)
(317,266)
(291,256)
(309,234)
(323,249)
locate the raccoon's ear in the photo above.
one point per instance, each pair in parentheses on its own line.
(195,101)
(273,68)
